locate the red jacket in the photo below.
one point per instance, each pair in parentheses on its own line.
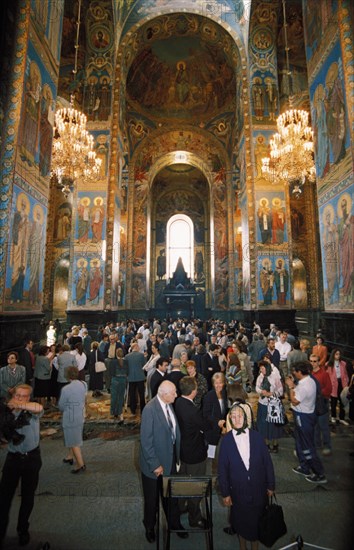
(325,382)
(343,374)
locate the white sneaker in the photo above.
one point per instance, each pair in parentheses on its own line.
(333,420)
(344,422)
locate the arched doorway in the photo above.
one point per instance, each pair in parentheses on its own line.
(181,221)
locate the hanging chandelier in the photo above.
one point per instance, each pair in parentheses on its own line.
(73,155)
(291,159)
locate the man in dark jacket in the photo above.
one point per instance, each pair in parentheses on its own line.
(193,446)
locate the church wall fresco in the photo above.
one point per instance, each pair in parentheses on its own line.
(37,119)
(246,252)
(295,84)
(90,218)
(274,281)
(337,233)
(271,216)
(319,18)
(26,250)
(263,64)
(62,224)
(24,286)
(87,282)
(330,51)
(48,18)
(12,68)
(329,113)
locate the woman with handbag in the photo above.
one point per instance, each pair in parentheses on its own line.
(246,476)
(72,404)
(268,387)
(96,378)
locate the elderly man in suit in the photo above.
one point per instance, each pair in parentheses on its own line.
(159,454)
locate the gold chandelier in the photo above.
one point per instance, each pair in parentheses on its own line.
(291,159)
(73,155)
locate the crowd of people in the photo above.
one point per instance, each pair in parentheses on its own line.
(188,382)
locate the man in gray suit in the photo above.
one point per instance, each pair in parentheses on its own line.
(159,452)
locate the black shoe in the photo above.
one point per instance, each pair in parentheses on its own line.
(78,470)
(150,535)
(23,538)
(68,461)
(229,531)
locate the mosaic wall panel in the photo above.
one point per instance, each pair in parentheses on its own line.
(273,281)
(26,250)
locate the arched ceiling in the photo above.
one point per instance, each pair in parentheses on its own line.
(182,67)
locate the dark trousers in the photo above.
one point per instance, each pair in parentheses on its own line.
(118,385)
(193,504)
(334,401)
(305,443)
(152,489)
(16,467)
(133,388)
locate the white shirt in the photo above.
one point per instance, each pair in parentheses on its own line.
(172,416)
(283,349)
(337,368)
(80,359)
(305,392)
(243,445)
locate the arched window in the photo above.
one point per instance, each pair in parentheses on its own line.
(180,239)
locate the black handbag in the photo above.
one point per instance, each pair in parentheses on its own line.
(272,524)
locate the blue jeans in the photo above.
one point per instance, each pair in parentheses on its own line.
(305,443)
(118,385)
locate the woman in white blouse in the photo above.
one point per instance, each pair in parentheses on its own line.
(81,359)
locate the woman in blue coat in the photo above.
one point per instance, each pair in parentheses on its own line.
(246,476)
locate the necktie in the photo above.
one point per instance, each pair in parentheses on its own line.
(170,424)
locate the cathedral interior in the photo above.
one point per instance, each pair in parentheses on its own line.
(182,99)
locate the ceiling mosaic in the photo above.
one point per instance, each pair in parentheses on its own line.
(184,69)
(234,13)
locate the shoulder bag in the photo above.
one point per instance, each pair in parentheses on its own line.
(275,410)
(99,365)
